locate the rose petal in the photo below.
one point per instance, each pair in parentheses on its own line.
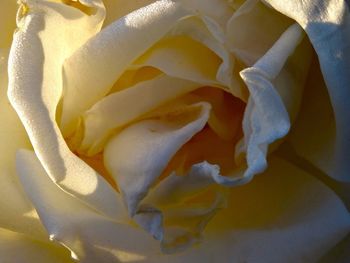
(283,215)
(183,57)
(266,118)
(35,85)
(17,213)
(90,236)
(327,24)
(115,111)
(253,29)
(109,54)
(296,218)
(116,9)
(218,10)
(15,247)
(197,71)
(177,188)
(137,156)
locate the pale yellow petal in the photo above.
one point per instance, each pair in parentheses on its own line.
(137,155)
(183,57)
(271,104)
(90,236)
(116,9)
(95,67)
(121,108)
(35,88)
(17,213)
(253,29)
(283,215)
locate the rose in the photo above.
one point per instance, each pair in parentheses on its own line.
(83,212)
(95,235)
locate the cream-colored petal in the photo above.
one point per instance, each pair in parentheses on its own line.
(283,215)
(17,213)
(253,29)
(327,24)
(177,188)
(35,85)
(18,248)
(184,224)
(183,57)
(90,236)
(116,9)
(285,212)
(266,118)
(187,203)
(196,29)
(120,108)
(95,67)
(218,10)
(137,156)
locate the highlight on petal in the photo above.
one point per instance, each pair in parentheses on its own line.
(327,24)
(35,87)
(15,247)
(90,236)
(17,213)
(116,9)
(266,118)
(109,54)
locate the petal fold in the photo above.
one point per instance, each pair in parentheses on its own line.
(267,116)
(137,156)
(114,111)
(109,54)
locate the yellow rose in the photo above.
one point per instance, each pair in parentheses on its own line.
(156,131)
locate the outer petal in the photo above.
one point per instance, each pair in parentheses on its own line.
(327,24)
(284,215)
(17,213)
(90,236)
(35,85)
